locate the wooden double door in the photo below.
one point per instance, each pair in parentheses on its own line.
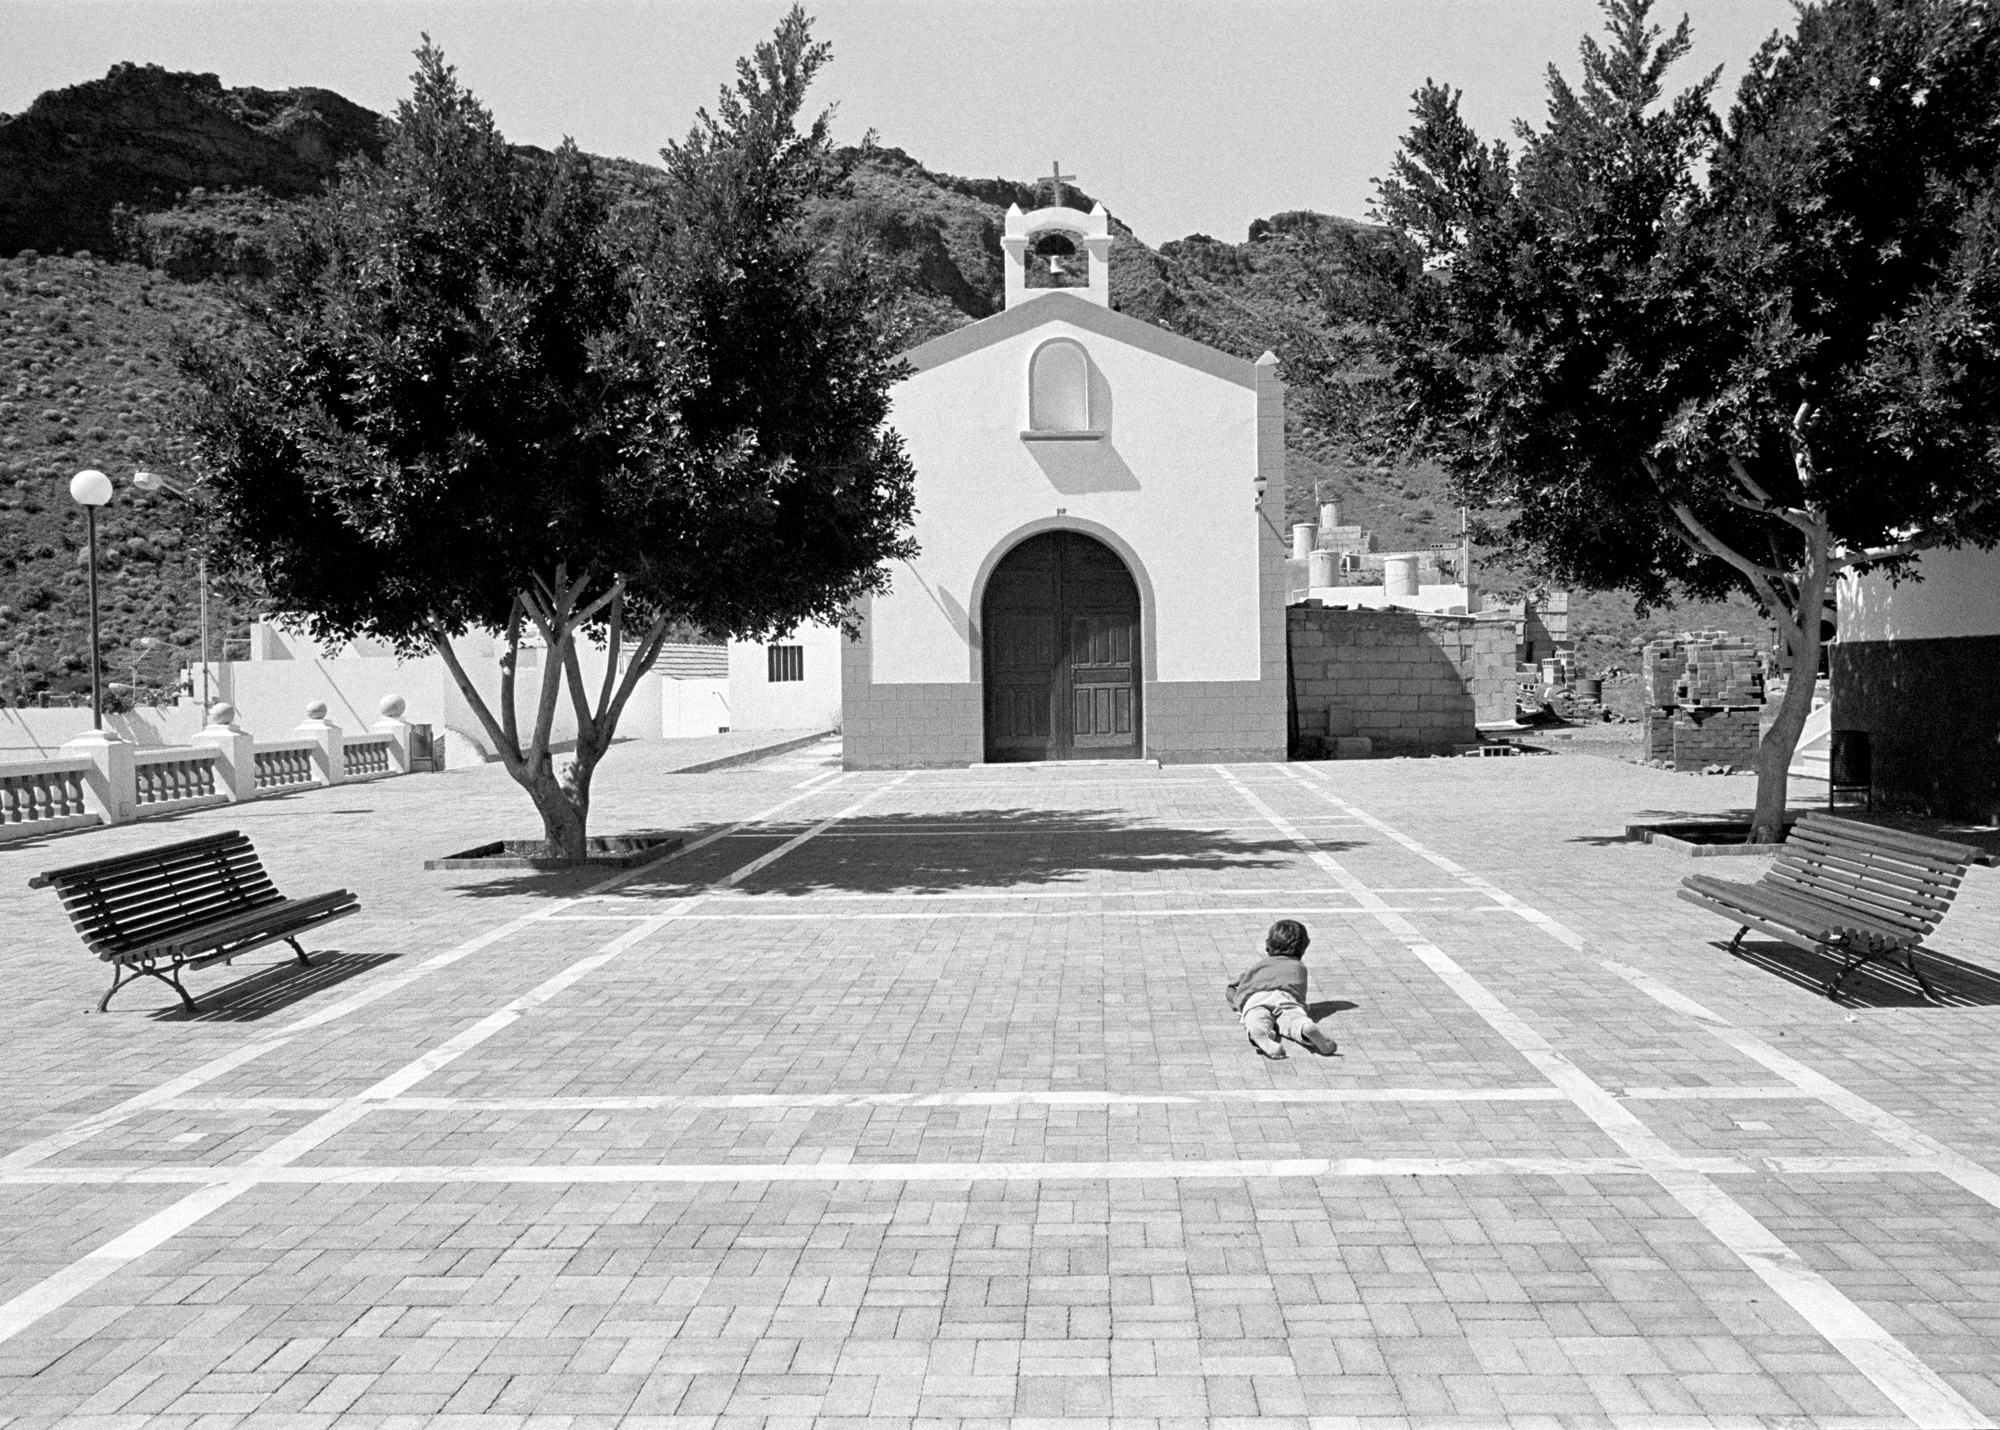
(1060,623)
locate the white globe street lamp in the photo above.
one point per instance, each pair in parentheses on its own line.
(92,489)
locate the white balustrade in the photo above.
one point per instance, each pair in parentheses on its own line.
(286,764)
(43,797)
(174,779)
(101,779)
(366,757)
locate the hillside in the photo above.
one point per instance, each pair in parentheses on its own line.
(169,181)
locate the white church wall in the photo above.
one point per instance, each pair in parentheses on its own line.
(1172,479)
(1166,475)
(1958,595)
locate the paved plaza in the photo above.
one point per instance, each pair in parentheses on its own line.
(910,1098)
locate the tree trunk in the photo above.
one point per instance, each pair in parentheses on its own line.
(1781,741)
(564,823)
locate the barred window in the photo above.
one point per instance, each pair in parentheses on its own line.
(785,662)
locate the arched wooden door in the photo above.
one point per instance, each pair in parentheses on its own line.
(1060,622)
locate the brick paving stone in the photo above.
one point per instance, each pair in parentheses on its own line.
(865,1004)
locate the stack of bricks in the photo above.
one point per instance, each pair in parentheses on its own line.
(1704,698)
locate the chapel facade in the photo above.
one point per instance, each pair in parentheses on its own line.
(1101,573)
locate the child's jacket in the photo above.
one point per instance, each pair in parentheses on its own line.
(1267,975)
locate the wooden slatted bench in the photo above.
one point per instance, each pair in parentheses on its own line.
(1837,886)
(184,905)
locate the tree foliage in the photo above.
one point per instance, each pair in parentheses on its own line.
(473,400)
(1692,355)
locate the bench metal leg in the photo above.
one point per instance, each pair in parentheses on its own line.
(300,952)
(122,974)
(1856,955)
(1910,962)
(1736,943)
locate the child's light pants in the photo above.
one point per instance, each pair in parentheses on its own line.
(1275,1009)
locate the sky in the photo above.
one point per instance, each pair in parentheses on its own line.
(1183,116)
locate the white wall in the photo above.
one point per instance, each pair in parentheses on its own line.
(1173,482)
(755,703)
(34,733)
(271,693)
(693,707)
(1959,595)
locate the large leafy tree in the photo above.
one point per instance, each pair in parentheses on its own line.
(474,399)
(1691,355)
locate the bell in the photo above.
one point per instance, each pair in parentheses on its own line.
(1055,264)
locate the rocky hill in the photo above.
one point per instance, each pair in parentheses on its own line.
(126,201)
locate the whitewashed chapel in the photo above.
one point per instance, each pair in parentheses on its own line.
(1101,574)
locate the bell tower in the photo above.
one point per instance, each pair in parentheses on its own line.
(1046,249)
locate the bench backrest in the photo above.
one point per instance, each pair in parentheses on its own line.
(136,899)
(1884,876)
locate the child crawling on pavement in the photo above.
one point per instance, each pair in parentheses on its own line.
(1270,995)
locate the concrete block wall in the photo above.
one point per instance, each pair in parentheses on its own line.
(1410,683)
(1715,737)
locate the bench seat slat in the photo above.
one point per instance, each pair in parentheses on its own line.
(1855,887)
(217,863)
(89,901)
(1857,895)
(1808,915)
(142,905)
(141,933)
(144,858)
(270,919)
(1895,841)
(1915,875)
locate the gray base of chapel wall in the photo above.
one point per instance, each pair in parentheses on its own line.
(1932,712)
(905,727)
(1215,722)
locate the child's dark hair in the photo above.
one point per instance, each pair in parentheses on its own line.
(1287,939)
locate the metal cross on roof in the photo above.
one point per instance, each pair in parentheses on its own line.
(1056,179)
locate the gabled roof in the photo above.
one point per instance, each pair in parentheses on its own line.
(1080,312)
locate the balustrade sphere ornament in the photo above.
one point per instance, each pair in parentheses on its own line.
(392,707)
(90,487)
(316,710)
(222,713)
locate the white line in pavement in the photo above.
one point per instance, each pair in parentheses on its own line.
(836,1164)
(1978,1180)
(726,1101)
(928,915)
(1235,1169)
(1918,1391)
(58,1289)
(774,896)
(1471,880)
(121,1251)
(44,1147)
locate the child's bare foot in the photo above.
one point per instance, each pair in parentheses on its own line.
(1318,1041)
(1268,1046)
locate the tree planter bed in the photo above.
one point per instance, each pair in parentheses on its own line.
(607,851)
(1705,838)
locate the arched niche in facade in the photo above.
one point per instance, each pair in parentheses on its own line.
(1059,387)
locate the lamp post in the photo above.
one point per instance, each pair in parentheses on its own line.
(154,482)
(91,490)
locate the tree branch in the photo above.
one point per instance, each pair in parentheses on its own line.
(615,624)
(510,752)
(509,671)
(643,655)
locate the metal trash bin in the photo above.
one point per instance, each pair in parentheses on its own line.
(426,750)
(1850,768)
